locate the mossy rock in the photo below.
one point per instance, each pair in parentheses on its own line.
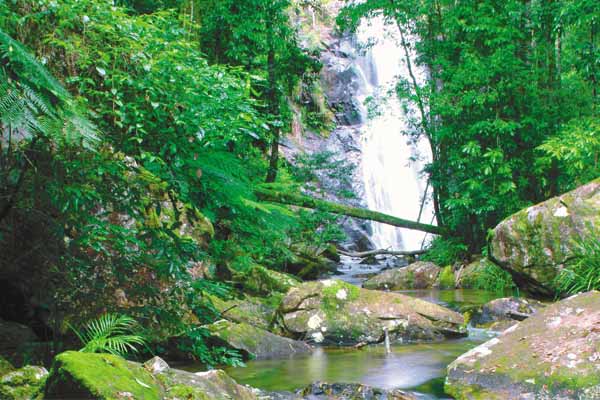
(5,366)
(418,275)
(338,313)
(23,384)
(213,385)
(534,244)
(554,354)
(259,280)
(76,375)
(254,342)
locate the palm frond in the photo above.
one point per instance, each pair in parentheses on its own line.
(110,333)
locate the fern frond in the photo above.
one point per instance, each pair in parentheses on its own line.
(110,333)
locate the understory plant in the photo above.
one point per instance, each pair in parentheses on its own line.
(582,274)
(445,251)
(110,333)
(492,278)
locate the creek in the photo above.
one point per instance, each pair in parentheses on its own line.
(415,367)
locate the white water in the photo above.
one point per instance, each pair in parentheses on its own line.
(392,163)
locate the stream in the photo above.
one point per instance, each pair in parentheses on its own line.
(420,368)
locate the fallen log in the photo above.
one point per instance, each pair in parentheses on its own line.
(335,208)
(382,252)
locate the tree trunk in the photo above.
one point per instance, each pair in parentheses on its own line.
(273,101)
(334,208)
(382,252)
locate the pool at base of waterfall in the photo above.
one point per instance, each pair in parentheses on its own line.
(415,367)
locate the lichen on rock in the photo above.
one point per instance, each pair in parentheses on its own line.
(534,244)
(418,275)
(254,342)
(554,354)
(337,313)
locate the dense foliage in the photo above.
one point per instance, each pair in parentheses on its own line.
(510,109)
(132,179)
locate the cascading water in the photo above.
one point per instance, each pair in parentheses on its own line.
(391,161)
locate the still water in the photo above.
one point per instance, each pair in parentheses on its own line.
(413,367)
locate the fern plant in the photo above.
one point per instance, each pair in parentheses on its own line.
(583,272)
(110,333)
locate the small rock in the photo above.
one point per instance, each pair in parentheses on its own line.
(156,365)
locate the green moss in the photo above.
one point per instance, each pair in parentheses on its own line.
(22,384)
(100,376)
(261,280)
(5,366)
(182,392)
(446,278)
(331,303)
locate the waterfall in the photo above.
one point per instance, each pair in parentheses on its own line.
(392,162)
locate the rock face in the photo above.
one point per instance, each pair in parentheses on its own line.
(555,354)
(254,342)
(337,313)
(418,275)
(22,384)
(352,391)
(534,243)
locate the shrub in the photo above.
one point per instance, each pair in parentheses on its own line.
(582,274)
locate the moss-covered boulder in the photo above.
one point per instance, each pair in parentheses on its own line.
(209,385)
(338,313)
(554,354)
(535,243)
(418,275)
(262,281)
(255,342)
(251,310)
(23,384)
(77,375)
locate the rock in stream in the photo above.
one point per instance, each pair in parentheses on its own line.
(337,313)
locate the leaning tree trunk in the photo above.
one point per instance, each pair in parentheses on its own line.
(335,208)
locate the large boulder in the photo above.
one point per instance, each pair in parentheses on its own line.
(554,354)
(76,375)
(418,275)
(23,384)
(338,313)
(255,342)
(534,244)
